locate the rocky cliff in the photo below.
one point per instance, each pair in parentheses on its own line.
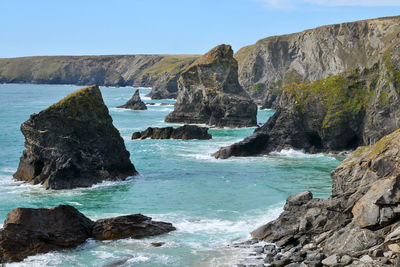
(209,93)
(157,71)
(339,112)
(359,223)
(73,143)
(274,62)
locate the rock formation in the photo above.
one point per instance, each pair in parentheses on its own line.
(28,232)
(73,143)
(135,102)
(209,93)
(130,226)
(359,223)
(157,71)
(185,132)
(277,61)
(336,113)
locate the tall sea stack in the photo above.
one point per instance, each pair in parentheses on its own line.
(209,93)
(73,143)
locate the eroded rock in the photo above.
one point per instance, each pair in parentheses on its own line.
(185,132)
(135,102)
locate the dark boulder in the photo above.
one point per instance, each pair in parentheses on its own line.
(185,132)
(73,143)
(135,102)
(209,93)
(130,226)
(28,232)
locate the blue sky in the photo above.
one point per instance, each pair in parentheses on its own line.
(95,27)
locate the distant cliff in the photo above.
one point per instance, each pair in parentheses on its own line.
(157,71)
(277,61)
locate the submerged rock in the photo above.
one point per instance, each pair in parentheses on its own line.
(360,218)
(130,226)
(28,232)
(185,132)
(209,93)
(73,143)
(135,102)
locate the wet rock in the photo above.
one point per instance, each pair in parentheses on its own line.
(157,244)
(135,102)
(73,143)
(129,226)
(28,232)
(185,132)
(209,93)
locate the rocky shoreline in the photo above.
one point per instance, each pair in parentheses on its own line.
(28,232)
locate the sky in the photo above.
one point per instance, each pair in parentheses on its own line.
(105,27)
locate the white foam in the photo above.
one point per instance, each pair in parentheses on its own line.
(75,203)
(299,154)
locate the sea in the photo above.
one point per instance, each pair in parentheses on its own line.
(213,203)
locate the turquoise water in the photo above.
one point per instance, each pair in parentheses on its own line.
(211,202)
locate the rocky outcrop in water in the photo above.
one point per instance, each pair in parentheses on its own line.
(336,113)
(358,224)
(130,226)
(28,232)
(135,102)
(185,132)
(277,61)
(73,143)
(209,93)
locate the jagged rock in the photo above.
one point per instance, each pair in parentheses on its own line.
(31,231)
(135,102)
(130,226)
(185,132)
(360,217)
(73,143)
(28,232)
(209,93)
(338,113)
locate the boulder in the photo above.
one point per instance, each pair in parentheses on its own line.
(135,102)
(209,93)
(130,226)
(28,232)
(73,143)
(185,132)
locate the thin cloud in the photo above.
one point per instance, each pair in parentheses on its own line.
(290,4)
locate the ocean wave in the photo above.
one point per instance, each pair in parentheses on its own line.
(293,153)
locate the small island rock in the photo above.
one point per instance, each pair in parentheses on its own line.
(135,102)
(73,143)
(129,226)
(185,132)
(209,92)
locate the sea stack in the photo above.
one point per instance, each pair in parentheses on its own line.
(73,143)
(135,102)
(209,93)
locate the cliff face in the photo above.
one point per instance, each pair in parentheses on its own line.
(339,112)
(361,216)
(159,71)
(274,62)
(209,93)
(73,143)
